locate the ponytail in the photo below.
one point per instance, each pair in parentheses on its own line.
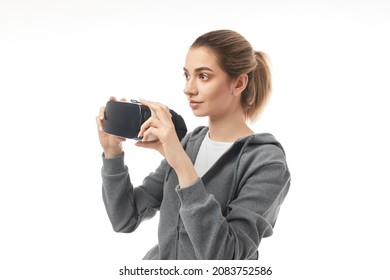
(257,93)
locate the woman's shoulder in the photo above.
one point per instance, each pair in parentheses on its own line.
(264,147)
(198,132)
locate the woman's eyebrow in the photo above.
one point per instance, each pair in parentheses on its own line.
(199,69)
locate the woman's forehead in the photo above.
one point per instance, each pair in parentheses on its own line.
(201,57)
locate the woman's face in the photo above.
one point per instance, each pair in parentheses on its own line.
(208,87)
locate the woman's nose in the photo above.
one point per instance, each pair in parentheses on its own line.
(190,88)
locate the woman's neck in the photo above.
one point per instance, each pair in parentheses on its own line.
(229,128)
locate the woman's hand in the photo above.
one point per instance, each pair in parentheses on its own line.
(162,127)
(168,143)
(111,144)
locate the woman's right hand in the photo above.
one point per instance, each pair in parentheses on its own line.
(111,144)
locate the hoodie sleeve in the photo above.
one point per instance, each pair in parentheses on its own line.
(264,184)
(127,206)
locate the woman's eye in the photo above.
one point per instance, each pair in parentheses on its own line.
(186,75)
(204,77)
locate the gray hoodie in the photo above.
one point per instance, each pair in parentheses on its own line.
(223,215)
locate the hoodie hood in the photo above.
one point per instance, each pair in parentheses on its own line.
(255,139)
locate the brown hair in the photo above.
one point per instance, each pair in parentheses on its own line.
(236,56)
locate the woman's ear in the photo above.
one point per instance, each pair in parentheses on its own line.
(240,84)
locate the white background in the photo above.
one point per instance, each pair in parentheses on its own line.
(61,60)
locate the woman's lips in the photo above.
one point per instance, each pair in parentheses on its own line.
(194,104)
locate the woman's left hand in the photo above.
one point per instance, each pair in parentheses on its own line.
(167,142)
(162,127)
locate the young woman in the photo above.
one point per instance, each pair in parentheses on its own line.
(220,189)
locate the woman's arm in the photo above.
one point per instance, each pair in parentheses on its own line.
(127,206)
(251,217)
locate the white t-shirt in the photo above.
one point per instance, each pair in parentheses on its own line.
(209,152)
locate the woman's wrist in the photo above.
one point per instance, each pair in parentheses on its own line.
(186,172)
(111,153)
